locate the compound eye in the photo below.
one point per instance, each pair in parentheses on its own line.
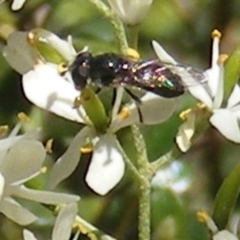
(79,70)
(83,70)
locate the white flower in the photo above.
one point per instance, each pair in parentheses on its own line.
(21,158)
(225,119)
(63,224)
(16,4)
(131,12)
(223,234)
(46,88)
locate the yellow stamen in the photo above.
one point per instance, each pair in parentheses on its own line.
(200,106)
(77,102)
(124,113)
(222,58)
(92,236)
(80,227)
(87,148)
(43,170)
(48,146)
(132,53)
(202,216)
(62,68)
(23,117)
(183,114)
(31,38)
(216,34)
(3,130)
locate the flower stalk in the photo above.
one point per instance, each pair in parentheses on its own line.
(144,185)
(116,23)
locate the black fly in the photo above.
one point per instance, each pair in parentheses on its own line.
(112,70)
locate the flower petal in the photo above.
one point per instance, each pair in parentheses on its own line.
(63,225)
(68,162)
(2,184)
(27,235)
(5,144)
(154,110)
(23,160)
(44,87)
(219,87)
(14,211)
(224,235)
(199,90)
(107,166)
(64,48)
(19,53)
(17,4)
(227,124)
(162,54)
(43,196)
(234,98)
(185,133)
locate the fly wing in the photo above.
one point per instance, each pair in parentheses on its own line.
(153,76)
(190,76)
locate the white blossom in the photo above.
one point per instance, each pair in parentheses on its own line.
(224,118)
(63,224)
(16,4)
(224,235)
(47,89)
(217,234)
(21,159)
(131,12)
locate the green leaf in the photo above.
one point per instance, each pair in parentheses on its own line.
(231,71)
(49,54)
(94,109)
(226,198)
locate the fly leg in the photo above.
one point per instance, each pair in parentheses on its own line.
(137,101)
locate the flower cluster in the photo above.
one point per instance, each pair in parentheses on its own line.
(225,118)
(44,86)
(21,159)
(63,224)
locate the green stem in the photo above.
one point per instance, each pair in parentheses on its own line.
(115,21)
(164,160)
(144,210)
(132,35)
(144,186)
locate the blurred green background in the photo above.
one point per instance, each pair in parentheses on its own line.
(184,28)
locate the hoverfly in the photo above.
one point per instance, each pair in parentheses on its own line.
(112,70)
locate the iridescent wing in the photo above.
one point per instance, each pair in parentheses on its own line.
(165,79)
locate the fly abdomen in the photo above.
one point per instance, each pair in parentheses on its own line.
(158,79)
